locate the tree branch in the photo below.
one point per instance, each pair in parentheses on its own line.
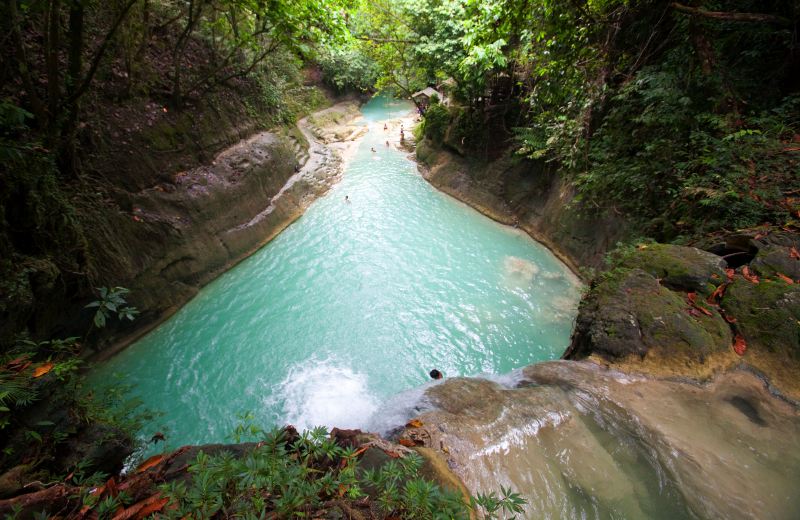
(732,17)
(101,51)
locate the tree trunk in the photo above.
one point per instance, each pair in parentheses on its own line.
(52,36)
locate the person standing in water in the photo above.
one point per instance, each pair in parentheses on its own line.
(435,374)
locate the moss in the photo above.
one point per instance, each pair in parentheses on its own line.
(679,267)
(767,314)
(627,312)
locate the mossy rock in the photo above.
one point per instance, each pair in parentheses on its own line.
(773,259)
(678,267)
(767,314)
(628,312)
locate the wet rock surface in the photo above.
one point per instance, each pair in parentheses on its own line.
(582,441)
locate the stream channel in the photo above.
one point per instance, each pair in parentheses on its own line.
(339,319)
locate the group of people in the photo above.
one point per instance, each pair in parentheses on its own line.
(402,133)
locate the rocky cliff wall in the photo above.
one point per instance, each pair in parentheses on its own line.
(528,194)
(166,240)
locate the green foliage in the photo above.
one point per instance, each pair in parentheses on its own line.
(112,302)
(306,473)
(494,506)
(675,168)
(347,68)
(435,122)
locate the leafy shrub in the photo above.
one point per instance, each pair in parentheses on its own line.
(435,123)
(300,475)
(347,68)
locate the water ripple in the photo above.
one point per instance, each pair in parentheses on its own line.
(351,305)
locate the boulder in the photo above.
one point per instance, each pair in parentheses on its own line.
(627,312)
(772,259)
(678,267)
(767,314)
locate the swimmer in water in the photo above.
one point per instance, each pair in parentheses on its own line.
(385,126)
(435,374)
(387,143)
(347,199)
(372,149)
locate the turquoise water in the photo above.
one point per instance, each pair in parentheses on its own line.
(351,305)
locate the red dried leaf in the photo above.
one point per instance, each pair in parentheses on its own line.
(16,362)
(717,294)
(392,454)
(143,508)
(785,278)
(154,507)
(739,345)
(111,487)
(22,367)
(749,276)
(42,369)
(153,461)
(793,253)
(692,297)
(730,273)
(414,423)
(730,319)
(408,443)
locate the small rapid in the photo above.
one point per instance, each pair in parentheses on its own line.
(338,320)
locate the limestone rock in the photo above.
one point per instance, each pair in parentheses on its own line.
(772,259)
(767,314)
(628,312)
(581,441)
(678,267)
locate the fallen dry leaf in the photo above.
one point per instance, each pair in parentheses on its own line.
(730,273)
(143,508)
(408,443)
(718,293)
(793,253)
(153,461)
(748,275)
(111,487)
(730,319)
(739,345)
(785,278)
(414,423)
(42,369)
(692,297)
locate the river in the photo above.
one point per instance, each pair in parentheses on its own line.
(380,281)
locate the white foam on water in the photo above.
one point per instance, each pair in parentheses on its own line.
(399,408)
(326,393)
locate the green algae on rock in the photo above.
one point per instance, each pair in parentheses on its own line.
(677,267)
(627,312)
(767,314)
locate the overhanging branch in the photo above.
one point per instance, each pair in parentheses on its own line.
(732,17)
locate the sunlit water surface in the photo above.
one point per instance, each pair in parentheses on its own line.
(351,305)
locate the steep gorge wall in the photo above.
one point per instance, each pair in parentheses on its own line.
(213,195)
